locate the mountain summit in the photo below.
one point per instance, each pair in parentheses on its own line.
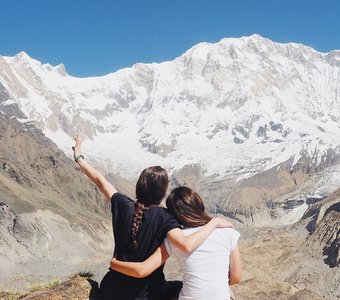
(254,102)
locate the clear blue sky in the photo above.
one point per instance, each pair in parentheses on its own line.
(96,37)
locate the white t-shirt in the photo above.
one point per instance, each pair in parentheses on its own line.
(205,271)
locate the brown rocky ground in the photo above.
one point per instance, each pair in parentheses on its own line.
(263,250)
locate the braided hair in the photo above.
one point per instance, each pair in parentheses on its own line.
(150,191)
(137,219)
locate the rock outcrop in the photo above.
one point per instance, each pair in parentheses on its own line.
(324,227)
(75,288)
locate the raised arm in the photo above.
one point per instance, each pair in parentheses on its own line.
(191,242)
(98,179)
(235,268)
(141,269)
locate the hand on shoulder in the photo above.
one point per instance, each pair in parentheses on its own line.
(221,222)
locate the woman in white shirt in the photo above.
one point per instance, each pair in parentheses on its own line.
(211,268)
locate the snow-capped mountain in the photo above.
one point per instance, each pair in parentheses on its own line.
(235,108)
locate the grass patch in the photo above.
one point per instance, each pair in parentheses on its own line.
(39,287)
(84,274)
(10,295)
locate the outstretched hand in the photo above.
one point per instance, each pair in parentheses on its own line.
(94,175)
(222,223)
(77,147)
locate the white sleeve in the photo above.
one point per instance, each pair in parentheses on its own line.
(234,236)
(168,246)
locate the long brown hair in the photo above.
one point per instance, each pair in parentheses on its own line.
(150,191)
(187,206)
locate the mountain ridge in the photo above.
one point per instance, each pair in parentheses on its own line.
(232,109)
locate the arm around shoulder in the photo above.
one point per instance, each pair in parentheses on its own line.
(141,269)
(193,241)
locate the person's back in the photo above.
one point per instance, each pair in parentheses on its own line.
(205,271)
(153,227)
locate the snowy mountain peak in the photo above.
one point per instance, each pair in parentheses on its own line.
(23,59)
(23,56)
(333,57)
(252,45)
(248,101)
(60,69)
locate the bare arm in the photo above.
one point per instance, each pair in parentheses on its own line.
(95,176)
(235,274)
(145,268)
(141,269)
(193,241)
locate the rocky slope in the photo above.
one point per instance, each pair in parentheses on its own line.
(280,195)
(316,261)
(50,214)
(324,226)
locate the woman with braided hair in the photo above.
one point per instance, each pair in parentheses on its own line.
(139,228)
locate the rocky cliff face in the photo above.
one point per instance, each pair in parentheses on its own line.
(324,227)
